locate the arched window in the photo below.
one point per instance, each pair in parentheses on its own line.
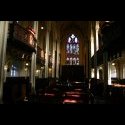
(72,50)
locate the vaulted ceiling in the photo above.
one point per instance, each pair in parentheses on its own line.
(82,26)
(63,26)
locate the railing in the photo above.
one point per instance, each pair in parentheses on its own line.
(24,35)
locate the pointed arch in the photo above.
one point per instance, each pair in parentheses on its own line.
(72,50)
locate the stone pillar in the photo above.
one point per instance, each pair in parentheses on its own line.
(47,51)
(117,70)
(3,44)
(95,53)
(33,61)
(97,32)
(58,59)
(121,70)
(106,70)
(54,59)
(89,59)
(89,51)
(96,47)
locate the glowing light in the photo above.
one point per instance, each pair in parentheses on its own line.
(37,71)
(92,73)
(92,46)
(69,101)
(77,82)
(113,64)
(42,27)
(107,21)
(92,42)
(97,32)
(97,73)
(5,67)
(109,74)
(50,69)
(27,64)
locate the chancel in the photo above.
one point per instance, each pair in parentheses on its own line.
(62,62)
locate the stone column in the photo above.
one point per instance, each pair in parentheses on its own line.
(106,69)
(89,51)
(95,53)
(54,59)
(121,70)
(58,59)
(89,59)
(47,51)
(3,45)
(117,70)
(96,47)
(33,61)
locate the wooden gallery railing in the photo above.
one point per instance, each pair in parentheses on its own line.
(24,35)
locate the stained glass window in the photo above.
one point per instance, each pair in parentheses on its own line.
(72,50)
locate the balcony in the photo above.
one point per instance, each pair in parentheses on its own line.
(21,38)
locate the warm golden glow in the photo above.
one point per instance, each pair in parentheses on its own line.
(92,42)
(27,64)
(107,21)
(37,71)
(69,101)
(92,46)
(42,27)
(97,73)
(5,67)
(50,69)
(113,64)
(97,39)
(92,73)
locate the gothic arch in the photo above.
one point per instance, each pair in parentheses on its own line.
(64,36)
